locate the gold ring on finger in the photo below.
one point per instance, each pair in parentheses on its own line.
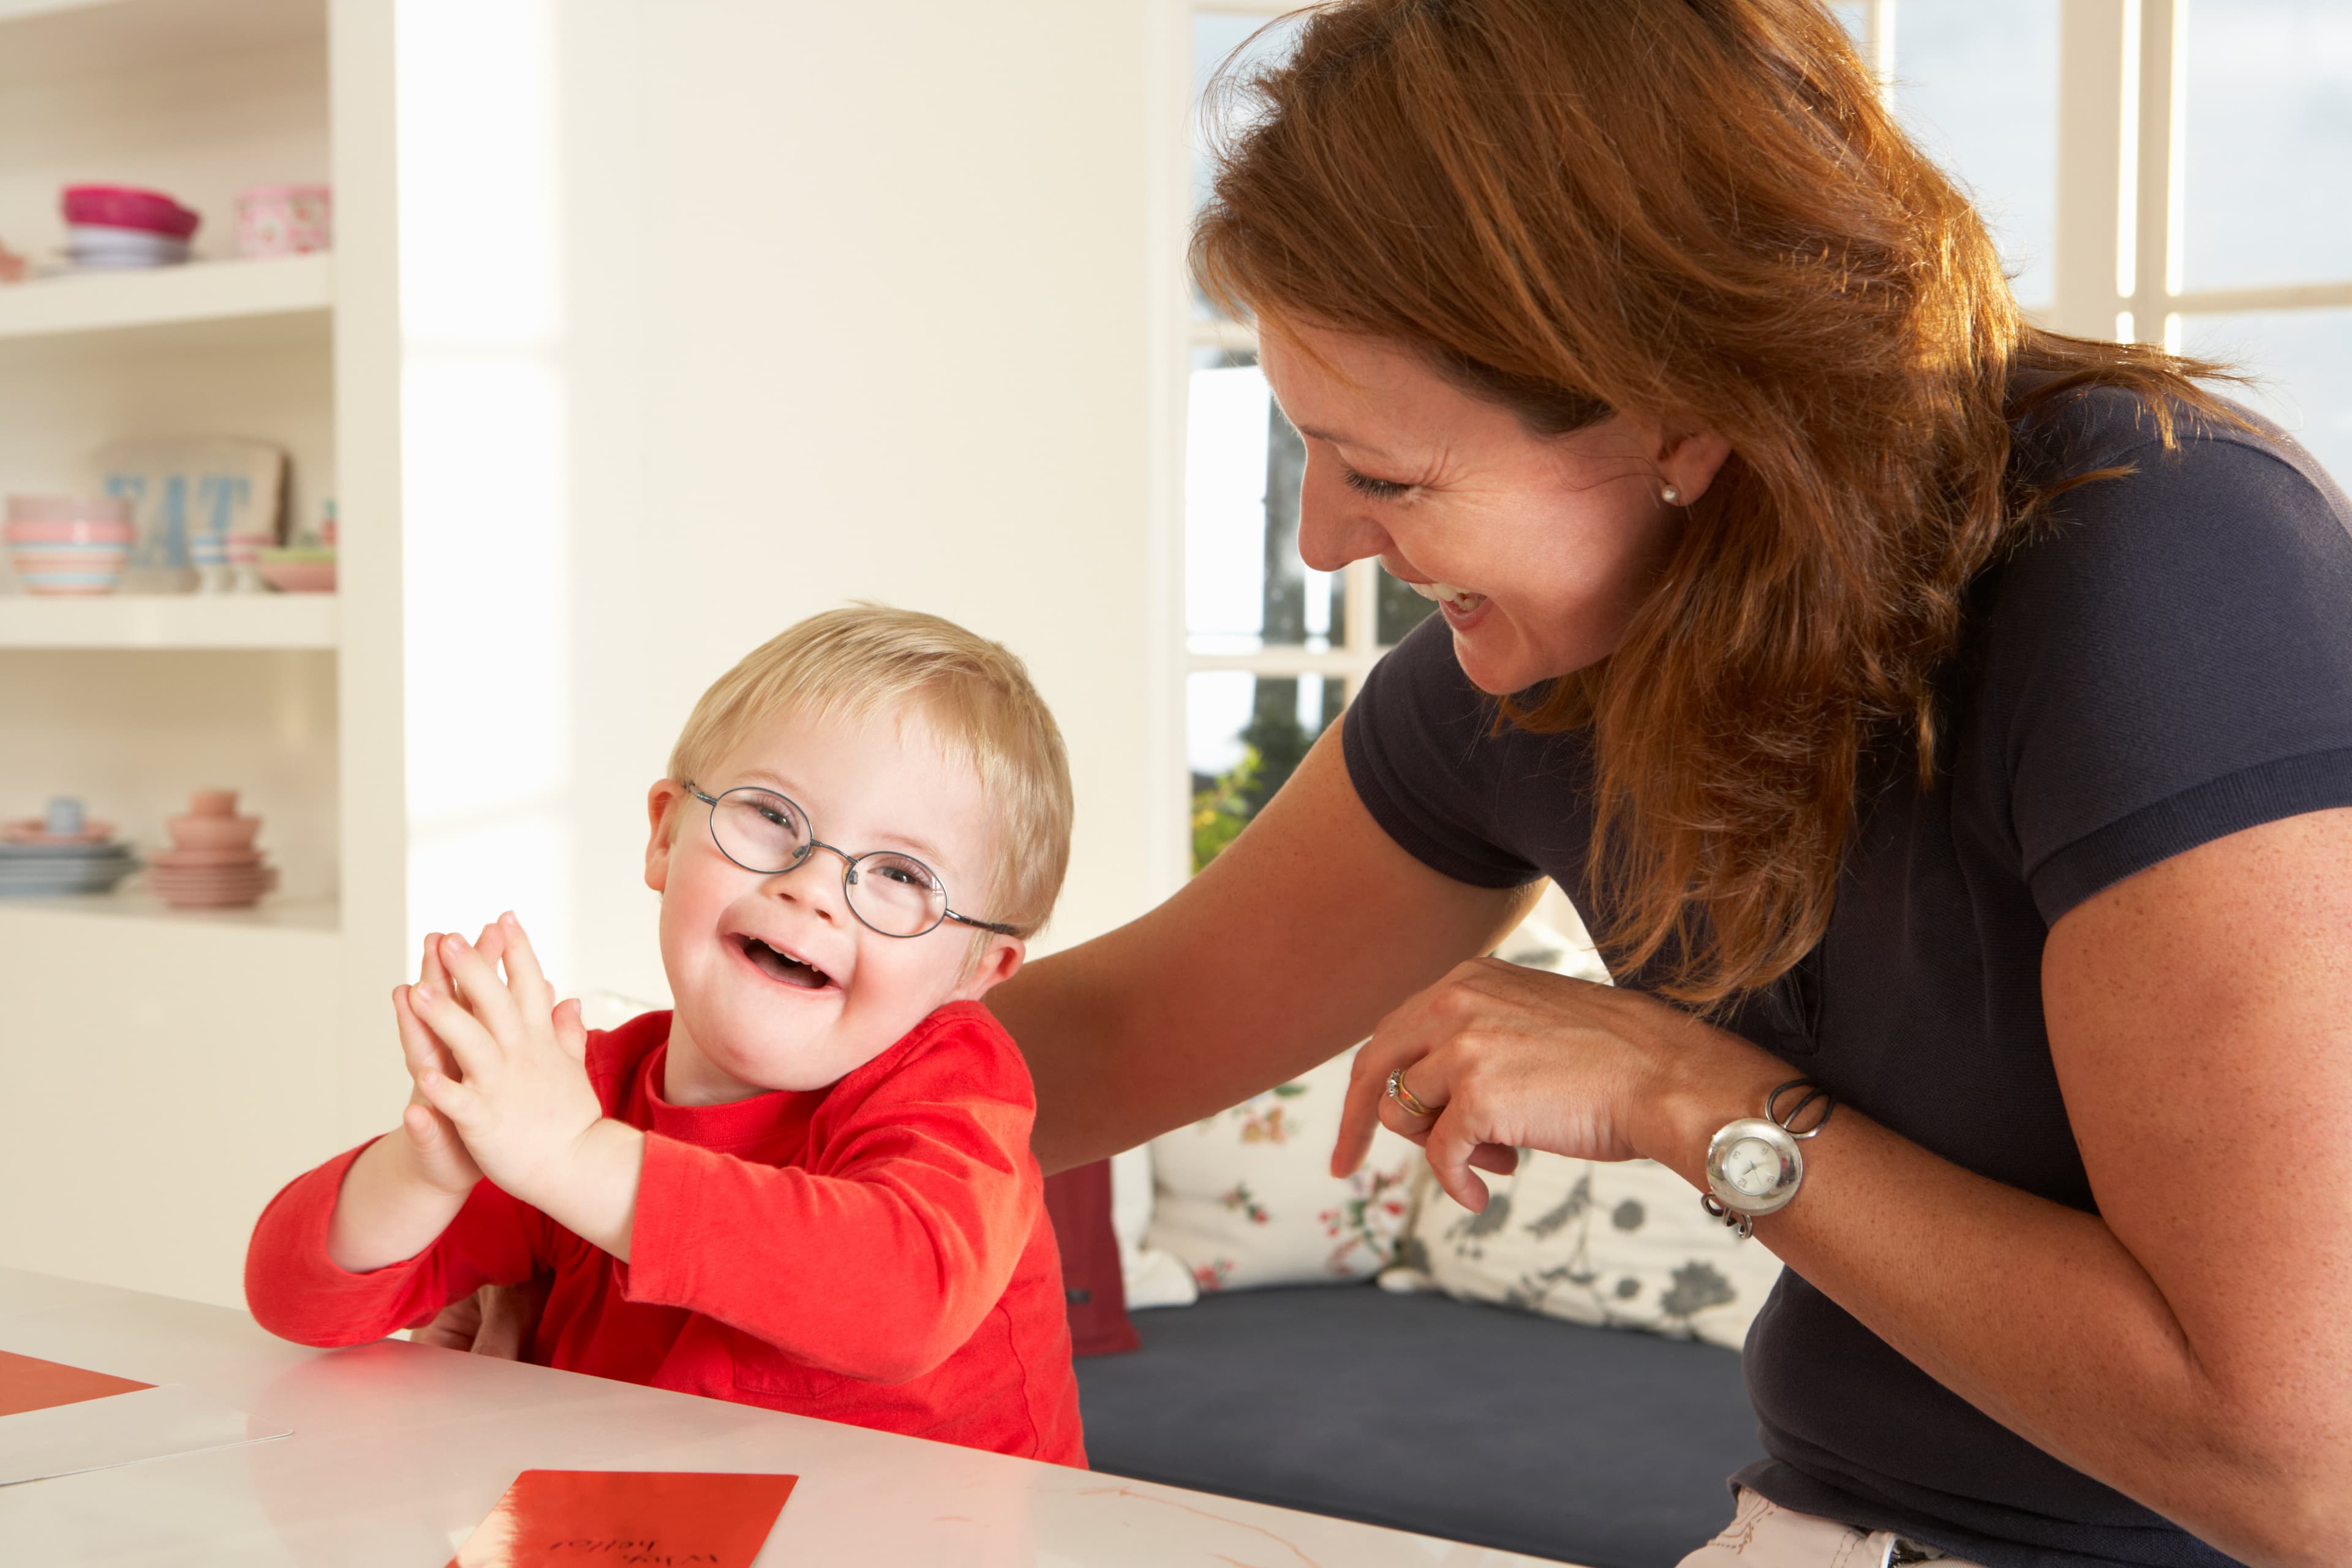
(1405,1097)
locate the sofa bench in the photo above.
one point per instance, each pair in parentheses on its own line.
(1590,1445)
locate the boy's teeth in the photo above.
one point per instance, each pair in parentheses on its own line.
(781,966)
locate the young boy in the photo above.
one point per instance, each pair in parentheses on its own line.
(809,1187)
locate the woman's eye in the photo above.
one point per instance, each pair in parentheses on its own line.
(1365,485)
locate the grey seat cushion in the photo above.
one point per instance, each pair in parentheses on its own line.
(1592,1446)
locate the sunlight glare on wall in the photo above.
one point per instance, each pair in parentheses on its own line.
(482,471)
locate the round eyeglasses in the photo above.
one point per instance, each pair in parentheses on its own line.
(894,894)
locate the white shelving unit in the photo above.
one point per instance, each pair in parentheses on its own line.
(161,621)
(132,701)
(164,297)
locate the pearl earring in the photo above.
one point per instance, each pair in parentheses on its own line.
(1670,496)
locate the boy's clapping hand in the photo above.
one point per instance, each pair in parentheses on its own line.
(520,1096)
(439,1153)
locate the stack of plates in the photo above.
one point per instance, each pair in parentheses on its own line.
(210,878)
(44,870)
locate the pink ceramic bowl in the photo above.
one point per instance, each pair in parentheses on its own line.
(299,576)
(194,832)
(68,509)
(79,532)
(68,569)
(127,206)
(212,802)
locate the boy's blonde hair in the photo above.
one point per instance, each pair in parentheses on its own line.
(869,660)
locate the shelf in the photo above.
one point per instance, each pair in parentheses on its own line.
(296,918)
(44,40)
(170,621)
(199,292)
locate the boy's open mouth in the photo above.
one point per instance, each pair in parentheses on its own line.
(781,967)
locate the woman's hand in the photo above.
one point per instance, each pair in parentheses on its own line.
(1506,1058)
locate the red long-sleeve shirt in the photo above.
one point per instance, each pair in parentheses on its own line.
(877,1252)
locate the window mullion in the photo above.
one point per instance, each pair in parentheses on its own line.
(2157,192)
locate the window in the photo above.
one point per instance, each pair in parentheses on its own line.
(1272,649)
(2176,170)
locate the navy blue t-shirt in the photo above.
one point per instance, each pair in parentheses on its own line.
(2167,660)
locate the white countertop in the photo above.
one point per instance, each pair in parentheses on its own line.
(399,1450)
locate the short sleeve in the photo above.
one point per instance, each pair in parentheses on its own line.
(1423,756)
(2172,661)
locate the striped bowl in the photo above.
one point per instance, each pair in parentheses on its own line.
(56,567)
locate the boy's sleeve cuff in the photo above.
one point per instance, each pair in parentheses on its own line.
(665,1233)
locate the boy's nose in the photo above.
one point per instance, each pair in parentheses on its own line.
(816,883)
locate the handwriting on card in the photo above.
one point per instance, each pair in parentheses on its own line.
(660,1519)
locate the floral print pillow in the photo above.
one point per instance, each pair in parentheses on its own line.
(1614,1246)
(1245,1197)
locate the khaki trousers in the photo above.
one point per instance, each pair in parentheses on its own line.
(1763,1535)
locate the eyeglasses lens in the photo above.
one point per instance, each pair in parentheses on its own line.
(759,831)
(895,894)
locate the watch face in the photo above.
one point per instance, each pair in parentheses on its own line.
(1752,1165)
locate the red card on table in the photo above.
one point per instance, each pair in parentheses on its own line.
(27,1383)
(555,1518)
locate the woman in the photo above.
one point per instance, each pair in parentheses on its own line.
(1952,715)
(1949,713)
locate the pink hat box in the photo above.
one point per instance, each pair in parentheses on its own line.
(285,220)
(127,206)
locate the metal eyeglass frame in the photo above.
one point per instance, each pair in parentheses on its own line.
(848,866)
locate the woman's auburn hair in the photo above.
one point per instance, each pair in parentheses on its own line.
(1702,214)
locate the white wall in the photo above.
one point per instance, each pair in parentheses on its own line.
(822,303)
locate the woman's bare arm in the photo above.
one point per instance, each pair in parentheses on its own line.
(1284,951)
(2187,1345)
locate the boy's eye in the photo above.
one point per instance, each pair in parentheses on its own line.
(900,871)
(1364,484)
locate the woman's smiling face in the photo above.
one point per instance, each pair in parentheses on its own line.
(1551,541)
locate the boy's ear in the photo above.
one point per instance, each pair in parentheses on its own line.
(999,962)
(661,801)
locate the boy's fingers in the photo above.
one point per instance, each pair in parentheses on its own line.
(525,978)
(427,1129)
(453,1100)
(477,1051)
(478,983)
(413,1050)
(570,1032)
(420,1048)
(491,944)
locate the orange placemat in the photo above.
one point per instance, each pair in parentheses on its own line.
(28,1384)
(567,1517)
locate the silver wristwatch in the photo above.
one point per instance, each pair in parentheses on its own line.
(1755,1164)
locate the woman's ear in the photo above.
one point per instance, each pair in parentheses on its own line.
(662,803)
(999,960)
(1689,462)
